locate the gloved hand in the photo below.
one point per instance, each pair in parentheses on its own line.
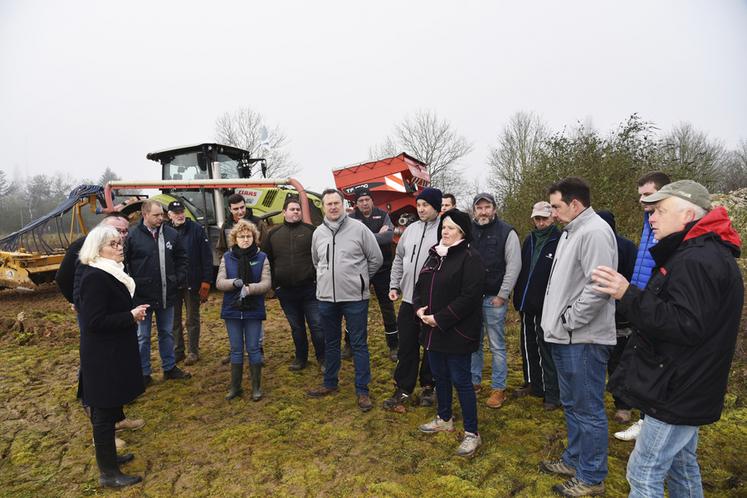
(238,283)
(204,291)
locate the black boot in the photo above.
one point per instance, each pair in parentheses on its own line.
(106,458)
(256,371)
(236,372)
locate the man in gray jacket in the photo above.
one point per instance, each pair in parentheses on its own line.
(346,255)
(412,251)
(579,323)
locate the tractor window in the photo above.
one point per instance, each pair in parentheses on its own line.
(229,168)
(183,167)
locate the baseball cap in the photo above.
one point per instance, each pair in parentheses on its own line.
(484,196)
(176,206)
(684,189)
(362,192)
(543,209)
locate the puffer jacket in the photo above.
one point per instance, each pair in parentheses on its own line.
(644,262)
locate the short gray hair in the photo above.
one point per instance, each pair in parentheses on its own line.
(95,241)
(683,204)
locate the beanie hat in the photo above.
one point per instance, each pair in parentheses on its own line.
(432,196)
(461,219)
(361,192)
(609,218)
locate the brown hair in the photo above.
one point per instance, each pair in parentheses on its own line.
(658,178)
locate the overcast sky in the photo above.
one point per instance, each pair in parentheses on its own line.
(86,85)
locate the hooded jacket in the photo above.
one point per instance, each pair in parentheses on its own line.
(573,312)
(412,251)
(345,259)
(676,365)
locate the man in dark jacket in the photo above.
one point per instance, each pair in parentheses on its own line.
(156,260)
(288,248)
(537,255)
(378,221)
(498,245)
(199,275)
(626,253)
(677,363)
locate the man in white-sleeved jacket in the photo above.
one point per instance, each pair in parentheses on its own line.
(346,255)
(579,323)
(412,251)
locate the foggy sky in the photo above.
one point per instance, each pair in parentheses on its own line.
(86,85)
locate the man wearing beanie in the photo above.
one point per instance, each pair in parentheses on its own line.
(346,256)
(378,221)
(412,251)
(498,244)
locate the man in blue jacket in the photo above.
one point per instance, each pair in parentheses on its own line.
(199,275)
(648,184)
(156,260)
(537,256)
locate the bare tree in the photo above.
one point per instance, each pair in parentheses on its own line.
(432,141)
(245,128)
(691,154)
(515,153)
(733,171)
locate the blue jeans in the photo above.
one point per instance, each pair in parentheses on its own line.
(663,451)
(493,321)
(453,370)
(301,307)
(356,322)
(582,370)
(244,333)
(165,325)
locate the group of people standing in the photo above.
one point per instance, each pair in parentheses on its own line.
(454,274)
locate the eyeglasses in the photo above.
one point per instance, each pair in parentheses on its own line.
(245,236)
(114,244)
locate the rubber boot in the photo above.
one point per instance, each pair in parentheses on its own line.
(236,372)
(256,371)
(106,459)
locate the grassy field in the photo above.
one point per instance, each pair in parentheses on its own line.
(197,444)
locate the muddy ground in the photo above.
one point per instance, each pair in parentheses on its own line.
(197,444)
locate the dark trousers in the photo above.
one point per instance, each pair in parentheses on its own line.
(301,307)
(453,370)
(537,361)
(380,283)
(103,421)
(614,361)
(408,357)
(190,300)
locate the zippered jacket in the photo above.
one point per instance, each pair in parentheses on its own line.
(196,243)
(412,251)
(676,364)
(345,260)
(251,307)
(644,262)
(573,312)
(529,293)
(158,266)
(451,287)
(288,247)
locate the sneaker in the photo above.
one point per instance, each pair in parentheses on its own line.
(557,467)
(574,487)
(347,352)
(496,399)
(176,373)
(397,402)
(297,365)
(622,416)
(321,391)
(191,359)
(469,445)
(427,396)
(393,354)
(631,433)
(364,403)
(147,380)
(437,425)
(129,424)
